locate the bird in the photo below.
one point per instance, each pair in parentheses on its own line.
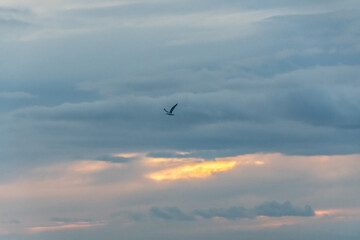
(171,110)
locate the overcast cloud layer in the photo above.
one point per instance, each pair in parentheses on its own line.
(83,85)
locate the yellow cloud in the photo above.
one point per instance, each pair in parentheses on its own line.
(198,170)
(172,161)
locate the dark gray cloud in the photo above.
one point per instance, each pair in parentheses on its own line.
(169,155)
(275,209)
(263,95)
(268,209)
(322,107)
(170,213)
(214,120)
(115,159)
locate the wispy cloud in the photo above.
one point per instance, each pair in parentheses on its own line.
(59,179)
(78,225)
(203,25)
(16,95)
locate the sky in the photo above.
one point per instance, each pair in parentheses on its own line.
(264,144)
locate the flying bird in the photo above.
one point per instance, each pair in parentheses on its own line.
(171,110)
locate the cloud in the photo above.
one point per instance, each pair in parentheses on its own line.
(61,227)
(11,221)
(71,179)
(170,213)
(69,220)
(190,171)
(254,116)
(11,23)
(268,209)
(169,154)
(270,85)
(14,13)
(114,158)
(16,95)
(79,194)
(231,213)
(198,24)
(133,216)
(275,209)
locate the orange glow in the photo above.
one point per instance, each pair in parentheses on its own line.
(338,212)
(199,170)
(128,155)
(259,163)
(173,160)
(62,227)
(269,222)
(250,159)
(92,166)
(325,212)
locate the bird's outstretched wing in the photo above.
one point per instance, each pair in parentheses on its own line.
(165,110)
(172,109)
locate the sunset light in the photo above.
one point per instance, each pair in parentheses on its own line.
(200,170)
(179,119)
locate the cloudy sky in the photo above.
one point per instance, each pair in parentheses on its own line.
(264,144)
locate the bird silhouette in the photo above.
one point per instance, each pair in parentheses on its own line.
(171,110)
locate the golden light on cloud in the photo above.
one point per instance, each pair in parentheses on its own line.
(93,166)
(249,159)
(259,163)
(338,212)
(128,155)
(62,227)
(197,170)
(325,212)
(156,161)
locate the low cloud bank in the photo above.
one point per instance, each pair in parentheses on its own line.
(268,209)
